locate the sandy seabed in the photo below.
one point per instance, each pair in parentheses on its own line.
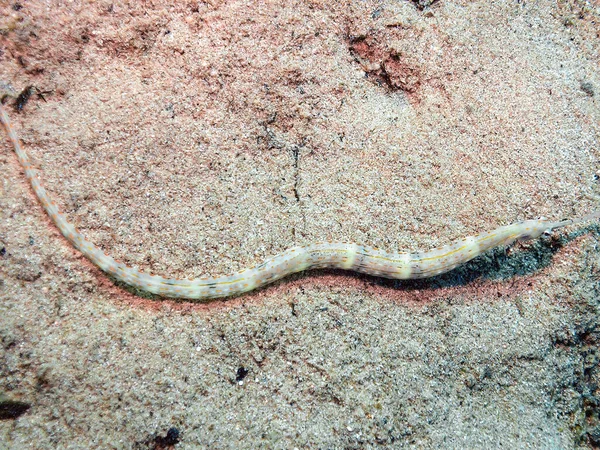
(197,138)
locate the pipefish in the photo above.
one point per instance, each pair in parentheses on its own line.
(337,255)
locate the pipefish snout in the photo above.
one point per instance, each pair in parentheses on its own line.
(338,255)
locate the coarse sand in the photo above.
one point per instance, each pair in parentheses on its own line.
(197,138)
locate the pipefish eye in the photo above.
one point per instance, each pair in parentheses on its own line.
(547,235)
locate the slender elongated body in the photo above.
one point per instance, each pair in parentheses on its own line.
(348,256)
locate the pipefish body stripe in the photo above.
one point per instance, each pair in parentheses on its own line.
(338,255)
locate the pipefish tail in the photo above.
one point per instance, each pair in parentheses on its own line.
(338,255)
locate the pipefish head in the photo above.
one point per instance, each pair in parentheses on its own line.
(533,229)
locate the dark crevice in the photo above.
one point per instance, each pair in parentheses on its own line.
(423,4)
(296,156)
(12,409)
